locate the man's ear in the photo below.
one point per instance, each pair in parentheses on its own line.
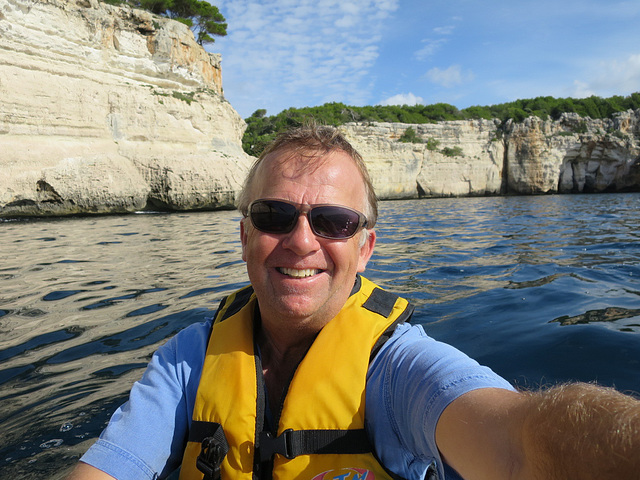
(366,250)
(243,238)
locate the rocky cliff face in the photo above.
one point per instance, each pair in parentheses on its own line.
(574,154)
(109,109)
(476,157)
(433,167)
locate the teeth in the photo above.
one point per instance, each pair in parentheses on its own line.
(292,272)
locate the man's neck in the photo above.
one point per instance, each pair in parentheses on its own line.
(280,357)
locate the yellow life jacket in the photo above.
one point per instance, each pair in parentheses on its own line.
(320,428)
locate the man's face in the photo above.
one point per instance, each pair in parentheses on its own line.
(299,276)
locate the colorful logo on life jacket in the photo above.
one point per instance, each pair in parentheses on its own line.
(346,474)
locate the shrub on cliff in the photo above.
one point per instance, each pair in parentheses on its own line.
(452,151)
(203,18)
(410,136)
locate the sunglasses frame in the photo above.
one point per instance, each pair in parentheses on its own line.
(303,208)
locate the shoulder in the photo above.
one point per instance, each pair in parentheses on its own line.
(178,363)
(195,335)
(410,344)
(410,383)
(188,342)
(410,355)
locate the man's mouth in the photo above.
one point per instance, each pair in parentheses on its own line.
(294,272)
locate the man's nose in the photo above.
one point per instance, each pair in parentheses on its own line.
(301,239)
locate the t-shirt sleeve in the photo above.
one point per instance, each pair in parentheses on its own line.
(410,383)
(145,437)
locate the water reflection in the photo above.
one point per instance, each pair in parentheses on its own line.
(623,319)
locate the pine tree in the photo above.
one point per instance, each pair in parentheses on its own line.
(203,18)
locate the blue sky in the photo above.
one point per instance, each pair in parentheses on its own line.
(296,53)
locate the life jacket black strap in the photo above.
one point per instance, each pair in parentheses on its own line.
(199,430)
(233,303)
(382,303)
(213,450)
(292,443)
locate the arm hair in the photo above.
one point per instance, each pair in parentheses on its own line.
(582,431)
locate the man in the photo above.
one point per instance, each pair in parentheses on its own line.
(313,373)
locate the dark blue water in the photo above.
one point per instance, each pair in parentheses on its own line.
(542,289)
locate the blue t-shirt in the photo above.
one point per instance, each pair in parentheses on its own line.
(410,383)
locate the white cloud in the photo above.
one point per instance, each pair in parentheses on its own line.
(606,78)
(612,76)
(403,99)
(430,48)
(299,53)
(449,77)
(581,90)
(447,30)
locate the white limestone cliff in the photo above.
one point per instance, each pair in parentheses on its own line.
(574,154)
(477,157)
(111,109)
(409,170)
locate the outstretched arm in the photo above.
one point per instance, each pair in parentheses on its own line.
(83,471)
(576,431)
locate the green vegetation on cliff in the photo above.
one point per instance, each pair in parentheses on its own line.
(199,15)
(261,129)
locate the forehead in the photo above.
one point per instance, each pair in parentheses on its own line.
(332,173)
(302,161)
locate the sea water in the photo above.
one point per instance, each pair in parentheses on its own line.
(543,289)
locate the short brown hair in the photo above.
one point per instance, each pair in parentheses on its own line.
(319,140)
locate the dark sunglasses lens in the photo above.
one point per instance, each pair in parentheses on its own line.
(334,222)
(273,216)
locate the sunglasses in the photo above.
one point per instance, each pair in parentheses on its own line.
(326,221)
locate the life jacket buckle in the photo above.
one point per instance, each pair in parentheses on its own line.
(211,456)
(270,445)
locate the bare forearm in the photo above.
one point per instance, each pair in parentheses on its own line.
(87,472)
(582,431)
